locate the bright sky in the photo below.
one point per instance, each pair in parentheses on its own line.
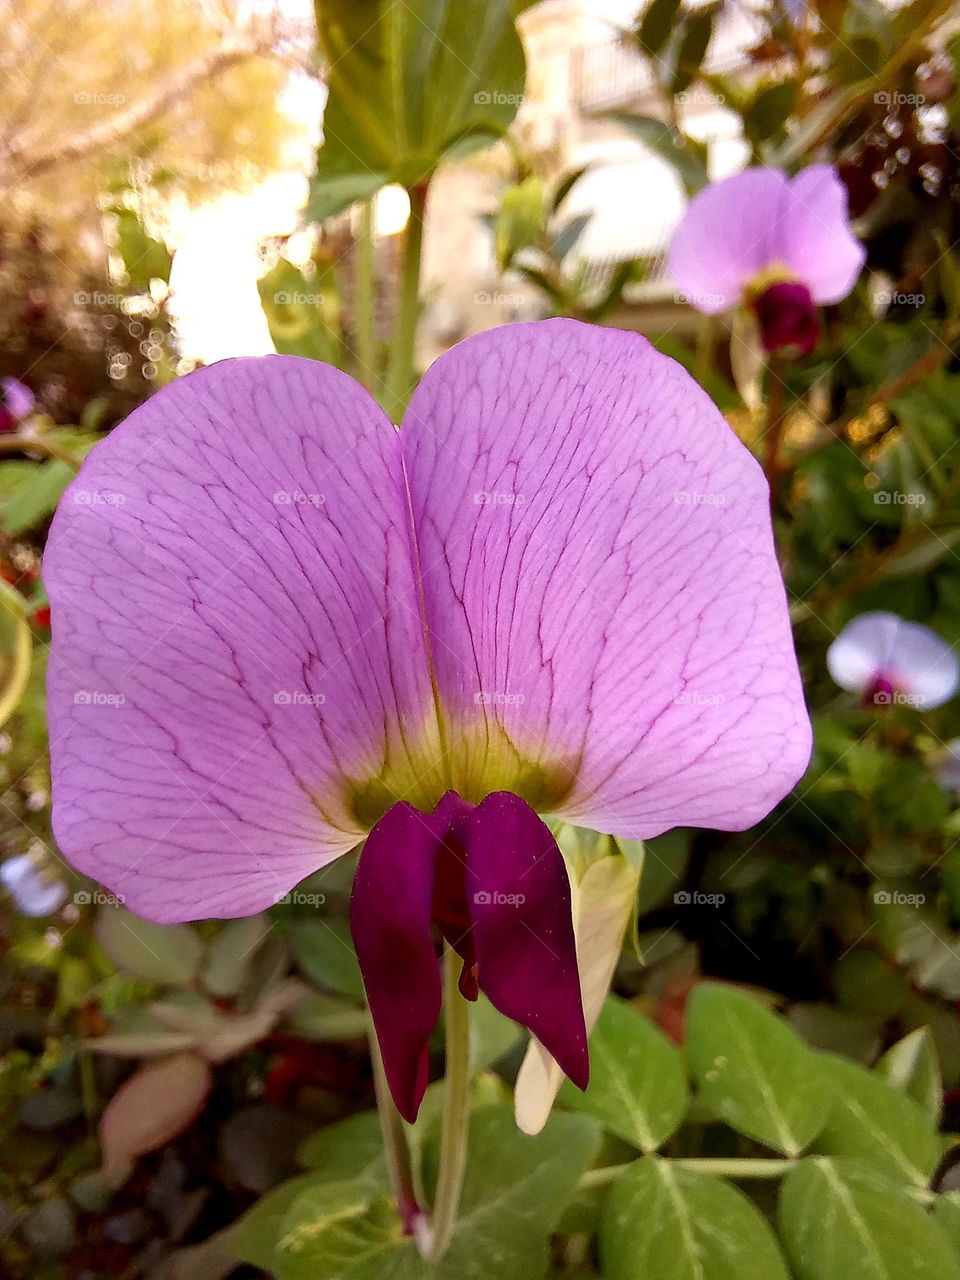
(216,264)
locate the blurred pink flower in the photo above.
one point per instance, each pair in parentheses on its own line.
(770,243)
(887,660)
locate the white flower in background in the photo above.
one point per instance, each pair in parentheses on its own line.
(949,770)
(34,893)
(888,660)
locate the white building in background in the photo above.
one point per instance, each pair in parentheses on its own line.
(581,67)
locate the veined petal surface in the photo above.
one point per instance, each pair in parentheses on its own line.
(731,232)
(607,619)
(237,645)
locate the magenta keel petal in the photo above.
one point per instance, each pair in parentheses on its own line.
(518,895)
(390,919)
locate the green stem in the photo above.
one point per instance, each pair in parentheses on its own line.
(776,417)
(401,373)
(18,443)
(456,1109)
(396,1147)
(366,286)
(719,1168)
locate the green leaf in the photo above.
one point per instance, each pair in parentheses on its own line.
(753,1070)
(686,156)
(514,1192)
(324,951)
(519,219)
(693,47)
(658,22)
(770,110)
(254,1237)
(230,955)
(661,1222)
(409,85)
(144,257)
(875,1123)
(638,1085)
(912,1066)
(164,953)
(342,1231)
(35,495)
(352,1149)
(946,1213)
(840,1220)
(664,867)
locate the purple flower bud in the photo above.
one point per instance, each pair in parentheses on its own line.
(787,318)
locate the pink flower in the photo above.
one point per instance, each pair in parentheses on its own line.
(280,627)
(887,660)
(770,243)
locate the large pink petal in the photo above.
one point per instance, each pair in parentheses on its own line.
(607,620)
(236,639)
(818,245)
(731,232)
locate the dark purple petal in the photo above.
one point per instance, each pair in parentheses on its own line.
(390,919)
(787,318)
(518,894)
